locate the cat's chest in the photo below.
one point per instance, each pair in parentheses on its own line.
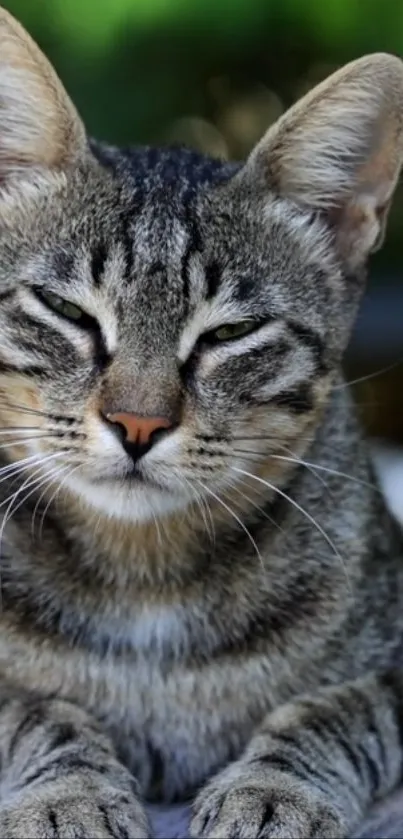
(155,632)
(175,709)
(175,725)
(177,713)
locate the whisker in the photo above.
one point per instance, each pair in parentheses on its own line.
(276,439)
(257,455)
(11,509)
(24,409)
(54,496)
(157,527)
(373,375)
(231,512)
(61,470)
(11,429)
(297,506)
(199,501)
(327,470)
(18,466)
(12,443)
(31,478)
(292,460)
(278,442)
(254,457)
(258,507)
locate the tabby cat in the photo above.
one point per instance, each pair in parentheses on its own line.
(202,592)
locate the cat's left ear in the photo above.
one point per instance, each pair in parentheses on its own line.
(39,126)
(339,151)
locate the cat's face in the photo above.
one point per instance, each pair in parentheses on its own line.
(211,314)
(159,285)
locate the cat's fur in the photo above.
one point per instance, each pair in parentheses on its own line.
(230,617)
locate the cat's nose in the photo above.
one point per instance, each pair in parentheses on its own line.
(138,434)
(139,429)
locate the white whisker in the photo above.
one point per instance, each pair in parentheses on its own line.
(30,481)
(23,409)
(21,440)
(20,429)
(297,506)
(258,507)
(200,501)
(234,515)
(59,471)
(18,465)
(326,469)
(369,376)
(11,510)
(55,494)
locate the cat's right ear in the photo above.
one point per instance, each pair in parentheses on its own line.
(339,152)
(40,129)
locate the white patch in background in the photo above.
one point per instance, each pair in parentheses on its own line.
(388,460)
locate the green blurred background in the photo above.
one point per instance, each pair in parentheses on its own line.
(214,74)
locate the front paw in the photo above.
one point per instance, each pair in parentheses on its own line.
(241,804)
(73,814)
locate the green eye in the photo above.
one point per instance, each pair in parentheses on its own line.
(62,307)
(234,330)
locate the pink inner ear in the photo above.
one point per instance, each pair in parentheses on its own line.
(358,227)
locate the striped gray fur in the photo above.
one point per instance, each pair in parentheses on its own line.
(214,611)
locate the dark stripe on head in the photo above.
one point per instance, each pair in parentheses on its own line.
(109,827)
(213,278)
(6,295)
(63,263)
(194,246)
(155,268)
(33,331)
(312,340)
(31,370)
(126,240)
(98,258)
(245,289)
(36,335)
(129,210)
(53,821)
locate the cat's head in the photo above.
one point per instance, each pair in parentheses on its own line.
(168,322)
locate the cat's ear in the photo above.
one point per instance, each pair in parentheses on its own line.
(339,150)
(39,127)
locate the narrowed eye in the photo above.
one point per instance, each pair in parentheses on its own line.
(59,305)
(233,330)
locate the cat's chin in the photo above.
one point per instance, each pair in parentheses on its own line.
(131,501)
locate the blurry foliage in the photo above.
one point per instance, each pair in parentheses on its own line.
(210,73)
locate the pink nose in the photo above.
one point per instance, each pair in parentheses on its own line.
(139,429)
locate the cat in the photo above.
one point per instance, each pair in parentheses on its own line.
(201,587)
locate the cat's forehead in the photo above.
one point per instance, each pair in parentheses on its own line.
(159,231)
(149,205)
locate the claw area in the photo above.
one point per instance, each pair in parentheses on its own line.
(271,813)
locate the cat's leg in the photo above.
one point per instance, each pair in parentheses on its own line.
(60,778)
(313,768)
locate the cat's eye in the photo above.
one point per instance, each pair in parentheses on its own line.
(233,330)
(59,305)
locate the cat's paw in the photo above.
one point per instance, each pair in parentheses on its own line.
(279,807)
(77,815)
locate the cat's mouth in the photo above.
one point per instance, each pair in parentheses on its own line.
(130,495)
(133,477)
